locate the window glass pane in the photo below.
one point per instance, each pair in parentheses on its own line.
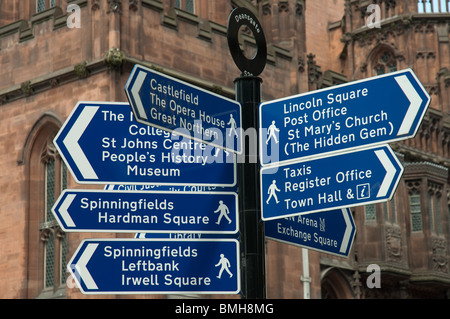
(49,266)
(386,57)
(63,176)
(186,5)
(63,262)
(40,5)
(370,213)
(416,220)
(380,70)
(50,190)
(416,215)
(414,200)
(392,68)
(190,6)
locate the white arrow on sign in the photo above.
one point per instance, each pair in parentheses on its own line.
(348,231)
(397,100)
(64,210)
(135,94)
(337,225)
(415,101)
(81,266)
(390,172)
(73,147)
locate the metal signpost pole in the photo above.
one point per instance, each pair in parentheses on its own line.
(248,93)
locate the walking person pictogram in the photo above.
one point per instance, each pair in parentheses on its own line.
(272,192)
(224,211)
(271,130)
(233,126)
(224,263)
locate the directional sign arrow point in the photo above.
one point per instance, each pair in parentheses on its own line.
(81,266)
(348,231)
(401,112)
(64,210)
(135,90)
(73,147)
(415,100)
(390,172)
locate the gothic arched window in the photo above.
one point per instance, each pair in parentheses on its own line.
(53,238)
(385,63)
(47,243)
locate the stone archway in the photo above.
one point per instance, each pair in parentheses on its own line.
(335,284)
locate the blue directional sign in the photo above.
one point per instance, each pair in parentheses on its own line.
(330,232)
(156,211)
(101,143)
(152,266)
(345,180)
(176,106)
(372,111)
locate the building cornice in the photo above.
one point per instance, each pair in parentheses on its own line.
(394,23)
(87,69)
(170,19)
(420,155)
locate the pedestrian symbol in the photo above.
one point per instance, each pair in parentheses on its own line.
(224,211)
(233,125)
(225,264)
(271,191)
(271,132)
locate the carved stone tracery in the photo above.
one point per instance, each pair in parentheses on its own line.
(115,6)
(439,255)
(393,243)
(49,153)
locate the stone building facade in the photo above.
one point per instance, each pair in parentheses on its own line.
(408,237)
(49,63)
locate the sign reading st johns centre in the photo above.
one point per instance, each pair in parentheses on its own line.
(102,143)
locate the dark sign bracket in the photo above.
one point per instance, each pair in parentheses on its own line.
(243,17)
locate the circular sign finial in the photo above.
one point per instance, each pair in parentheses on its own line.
(238,18)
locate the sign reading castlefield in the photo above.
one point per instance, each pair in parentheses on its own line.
(362,113)
(171,104)
(102,143)
(157,266)
(351,179)
(147,211)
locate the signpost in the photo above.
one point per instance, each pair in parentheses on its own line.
(152,266)
(248,93)
(346,180)
(331,232)
(156,211)
(372,111)
(176,106)
(320,152)
(101,143)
